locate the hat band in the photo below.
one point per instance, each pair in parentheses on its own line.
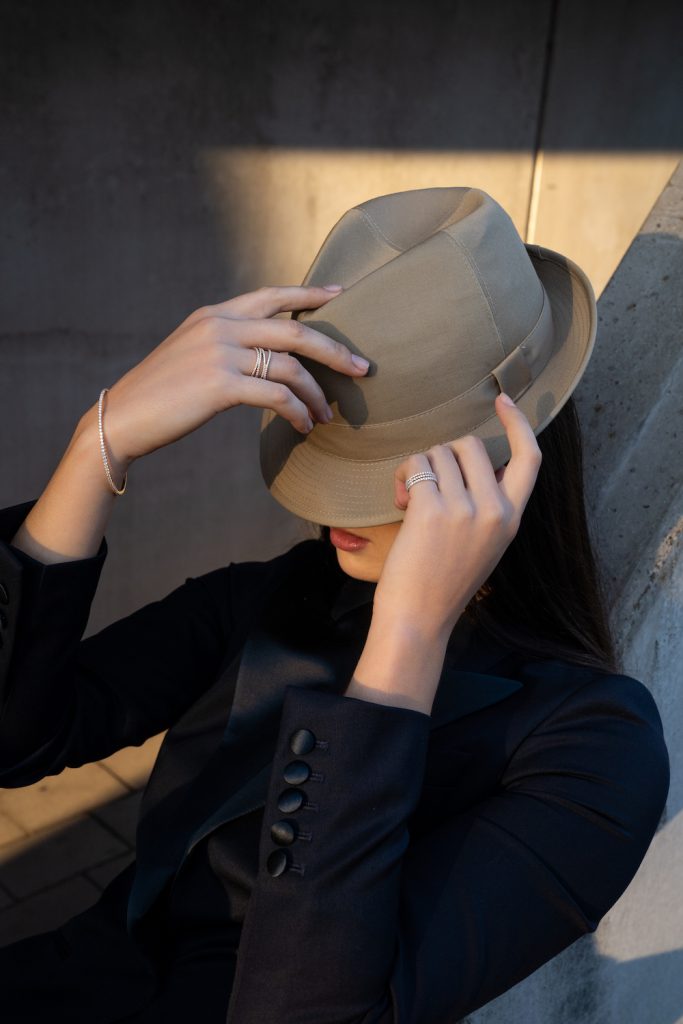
(453,418)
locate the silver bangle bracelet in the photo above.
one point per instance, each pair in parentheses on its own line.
(103,449)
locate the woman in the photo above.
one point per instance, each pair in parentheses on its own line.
(402,768)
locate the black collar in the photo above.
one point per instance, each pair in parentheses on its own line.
(351,594)
(469,647)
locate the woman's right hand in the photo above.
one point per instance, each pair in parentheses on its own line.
(204,367)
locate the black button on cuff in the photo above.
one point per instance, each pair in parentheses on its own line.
(302,741)
(278,862)
(296,772)
(290,800)
(283,832)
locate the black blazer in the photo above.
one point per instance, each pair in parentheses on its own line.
(436,860)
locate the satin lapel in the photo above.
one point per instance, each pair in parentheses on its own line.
(287,648)
(460,693)
(469,681)
(292,641)
(296,641)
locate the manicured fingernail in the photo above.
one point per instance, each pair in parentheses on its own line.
(328,412)
(333,287)
(309,424)
(361,363)
(505,399)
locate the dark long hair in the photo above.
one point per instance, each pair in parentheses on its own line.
(547,596)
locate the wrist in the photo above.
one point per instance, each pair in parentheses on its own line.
(424,628)
(87,437)
(401,664)
(85,448)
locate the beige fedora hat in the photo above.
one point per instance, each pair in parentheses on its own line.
(450,307)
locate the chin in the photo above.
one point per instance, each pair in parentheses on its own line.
(352,563)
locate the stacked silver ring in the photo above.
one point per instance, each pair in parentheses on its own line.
(262,363)
(424,475)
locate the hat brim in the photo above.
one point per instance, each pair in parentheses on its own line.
(332,491)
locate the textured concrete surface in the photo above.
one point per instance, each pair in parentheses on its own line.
(631,407)
(157,157)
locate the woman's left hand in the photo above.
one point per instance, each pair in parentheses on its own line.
(454,533)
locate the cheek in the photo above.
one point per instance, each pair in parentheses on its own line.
(384,543)
(391,534)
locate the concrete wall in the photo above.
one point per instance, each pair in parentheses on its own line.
(163,155)
(159,156)
(631,406)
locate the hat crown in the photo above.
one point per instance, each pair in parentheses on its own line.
(438,290)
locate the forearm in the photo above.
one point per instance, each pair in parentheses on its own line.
(319,937)
(401,664)
(70,518)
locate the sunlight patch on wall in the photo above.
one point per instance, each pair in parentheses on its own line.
(275,206)
(591,206)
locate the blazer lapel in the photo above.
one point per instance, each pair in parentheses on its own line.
(305,641)
(310,633)
(290,641)
(469,681)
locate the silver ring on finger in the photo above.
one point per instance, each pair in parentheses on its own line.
(262,363)
(257,367)
(423,475)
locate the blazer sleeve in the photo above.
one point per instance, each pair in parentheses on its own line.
(353,922)
(65,701)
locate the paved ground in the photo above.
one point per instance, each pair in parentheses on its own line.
(63,839)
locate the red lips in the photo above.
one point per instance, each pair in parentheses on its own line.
(345,540)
